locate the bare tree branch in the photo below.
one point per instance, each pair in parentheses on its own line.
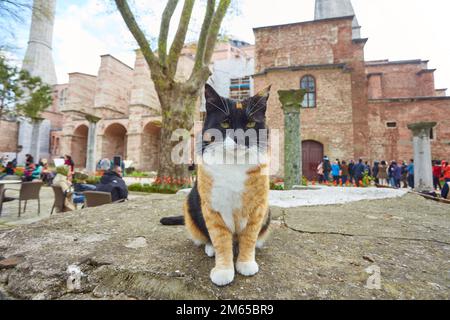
(180,37)
(214,29)
(136,31)
(201,73)
(164,31)
(203,35)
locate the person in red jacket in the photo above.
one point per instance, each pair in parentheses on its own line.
(437,173)
(446,172)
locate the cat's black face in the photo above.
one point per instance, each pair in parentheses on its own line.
(243,123)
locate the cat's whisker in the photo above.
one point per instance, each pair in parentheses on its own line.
(217,107)
(255,104)
(253,112)
(225,105)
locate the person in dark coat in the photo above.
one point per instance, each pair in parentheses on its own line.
(358,171)
(368,169)
(351,170)
(326,168)
(113,183)
(397,174)
(376,171)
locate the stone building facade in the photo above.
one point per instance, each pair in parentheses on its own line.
(125,104)
(355,108)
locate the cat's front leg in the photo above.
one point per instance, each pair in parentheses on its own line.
(222,240)
(246,264)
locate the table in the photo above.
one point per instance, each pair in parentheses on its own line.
(4,182)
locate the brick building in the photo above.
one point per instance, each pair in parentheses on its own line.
(354,108)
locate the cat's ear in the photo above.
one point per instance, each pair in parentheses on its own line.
(213,100)
(258,104)
(264,93)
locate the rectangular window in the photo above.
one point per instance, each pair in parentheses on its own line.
(391,124)
(240,88)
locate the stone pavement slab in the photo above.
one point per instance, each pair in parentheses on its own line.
(324,252)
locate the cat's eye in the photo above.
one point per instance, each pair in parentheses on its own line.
(251,124)
(225,124)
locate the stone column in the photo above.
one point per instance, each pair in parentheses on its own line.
(291,101)
(423,174)
(35,143)
(91,163)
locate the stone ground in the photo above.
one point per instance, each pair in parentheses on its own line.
(318,252)
(9,216)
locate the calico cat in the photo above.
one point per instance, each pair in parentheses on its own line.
(229,201)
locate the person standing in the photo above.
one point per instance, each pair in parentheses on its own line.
(445,193)
(359,170)
(446,172)
(344,172)
(404,174)
(351,170)
(375,171)
(382,174)
(320,172)
(411,173)
(367,169)
(326,168)
(397,174)
(437,173)
(335,171)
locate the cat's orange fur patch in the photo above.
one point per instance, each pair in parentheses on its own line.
(253,214)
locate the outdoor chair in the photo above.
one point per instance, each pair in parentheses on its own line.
(3,198)
(97,198)
(60,198)
(28,191)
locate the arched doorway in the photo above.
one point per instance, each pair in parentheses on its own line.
(151,139)
(114,142)
(312,156)
(79,146)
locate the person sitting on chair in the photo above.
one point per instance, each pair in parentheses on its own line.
(62,179)
(9,171)
(113,183)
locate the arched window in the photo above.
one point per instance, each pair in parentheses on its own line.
(308,83)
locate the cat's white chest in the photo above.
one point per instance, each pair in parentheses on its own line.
(227,190)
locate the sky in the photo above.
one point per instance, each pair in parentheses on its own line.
(397,30)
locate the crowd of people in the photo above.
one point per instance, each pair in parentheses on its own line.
(395,174)
(63,176)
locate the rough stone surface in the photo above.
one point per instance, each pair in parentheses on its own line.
(313,253)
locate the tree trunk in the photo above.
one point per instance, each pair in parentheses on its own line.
(178,110)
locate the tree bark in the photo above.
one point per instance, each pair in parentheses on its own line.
(177,113)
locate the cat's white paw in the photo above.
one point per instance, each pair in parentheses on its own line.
(222,277)
(209,250)
(260,244)
(247,268)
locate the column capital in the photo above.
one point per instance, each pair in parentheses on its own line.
(92,119)
(291,100)
(419,127)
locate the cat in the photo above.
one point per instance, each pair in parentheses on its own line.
(229,201)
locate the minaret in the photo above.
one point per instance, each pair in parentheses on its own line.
(38,58)
(337,8)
